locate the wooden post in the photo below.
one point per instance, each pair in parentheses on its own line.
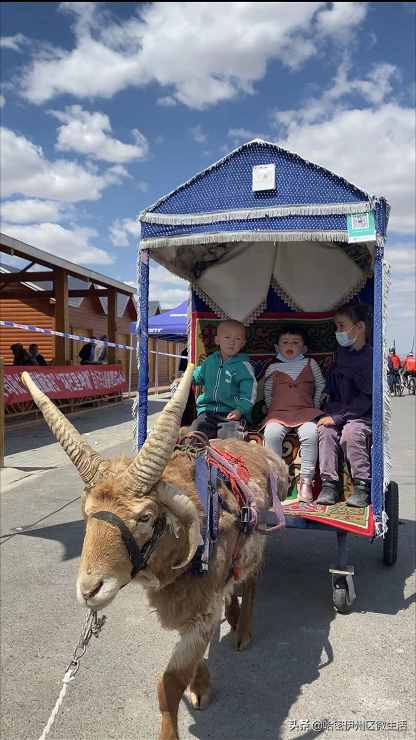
(60,279)
(2,437)
(112,324)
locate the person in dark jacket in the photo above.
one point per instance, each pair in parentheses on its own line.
(348,409)
(36,355)
(183,362)
(21,355)
(87,353)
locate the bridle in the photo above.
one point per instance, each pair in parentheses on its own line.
(138,555)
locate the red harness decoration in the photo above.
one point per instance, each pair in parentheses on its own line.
(235,472)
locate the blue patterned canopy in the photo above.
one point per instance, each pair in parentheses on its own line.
(289,232)
(220,205)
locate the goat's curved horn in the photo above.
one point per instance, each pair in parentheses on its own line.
(89,464)
(194,541)
(187,513)
(148,465)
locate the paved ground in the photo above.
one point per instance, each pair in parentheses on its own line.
(307,664)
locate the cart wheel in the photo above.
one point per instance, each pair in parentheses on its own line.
(390,542)
(343,595)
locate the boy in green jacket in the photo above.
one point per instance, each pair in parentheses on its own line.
(228,379)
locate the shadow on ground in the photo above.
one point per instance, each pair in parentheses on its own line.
(34,435)
(294,609)
(295,602)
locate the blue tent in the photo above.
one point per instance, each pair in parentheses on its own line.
(170,325)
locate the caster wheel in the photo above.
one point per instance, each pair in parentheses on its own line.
(343,596)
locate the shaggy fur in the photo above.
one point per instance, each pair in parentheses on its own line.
(155,484)
(189,604)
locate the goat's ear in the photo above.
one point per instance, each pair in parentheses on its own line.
(172,522)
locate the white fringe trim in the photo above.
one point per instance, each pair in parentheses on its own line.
(345,298)
(249,319)
(386,390)
(240,236)
(313,209)
(259,142)
(283,295)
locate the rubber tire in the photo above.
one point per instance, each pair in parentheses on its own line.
(341,597)
(391,540)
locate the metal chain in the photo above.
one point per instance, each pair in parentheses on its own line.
(92,626)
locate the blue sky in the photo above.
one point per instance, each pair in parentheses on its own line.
(107,106)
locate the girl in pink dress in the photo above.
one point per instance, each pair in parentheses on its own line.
(292,390)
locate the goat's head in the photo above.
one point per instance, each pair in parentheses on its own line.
(127,506)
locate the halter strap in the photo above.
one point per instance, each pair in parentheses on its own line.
(138,556)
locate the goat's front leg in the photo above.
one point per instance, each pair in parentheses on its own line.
(246,614)
(232,611)
(184,667)
(200,687)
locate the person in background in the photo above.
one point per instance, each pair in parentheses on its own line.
(36,355)
(393,368)
(21,355)
(87,353)
(101,353)
(409,365)
(183,362)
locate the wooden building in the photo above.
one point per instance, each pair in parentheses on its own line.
(53,293)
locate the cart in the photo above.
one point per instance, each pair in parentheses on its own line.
(265,237)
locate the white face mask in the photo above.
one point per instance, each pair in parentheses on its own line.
(343,339)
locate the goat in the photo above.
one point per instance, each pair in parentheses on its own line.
(146,511)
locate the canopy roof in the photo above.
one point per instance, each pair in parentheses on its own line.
(264,218)
(170,325)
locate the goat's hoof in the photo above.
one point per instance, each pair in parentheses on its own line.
(200,701)
(243,642)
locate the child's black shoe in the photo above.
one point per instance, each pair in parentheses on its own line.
(361,494)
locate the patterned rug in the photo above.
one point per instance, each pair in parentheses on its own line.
(341,516)
(352,519)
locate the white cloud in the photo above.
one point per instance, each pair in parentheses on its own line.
(166,288)
(72,244)
(341,18)
(26,171)
(90,133)
(242,135)
(201,53)
(13,42)
(401,258)
(372,146)
(167,101)
(402,297)
(2,101)
(31,211)
(375,88)
(124,232)
(198,134)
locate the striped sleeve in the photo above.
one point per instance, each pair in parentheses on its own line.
(319,383)
(268,384)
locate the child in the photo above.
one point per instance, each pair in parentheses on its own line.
(347,423)
(229,381)
(292,390)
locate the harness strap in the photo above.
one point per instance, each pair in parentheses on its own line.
(138,556)
(206,481)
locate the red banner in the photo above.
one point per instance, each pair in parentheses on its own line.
(64,381)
